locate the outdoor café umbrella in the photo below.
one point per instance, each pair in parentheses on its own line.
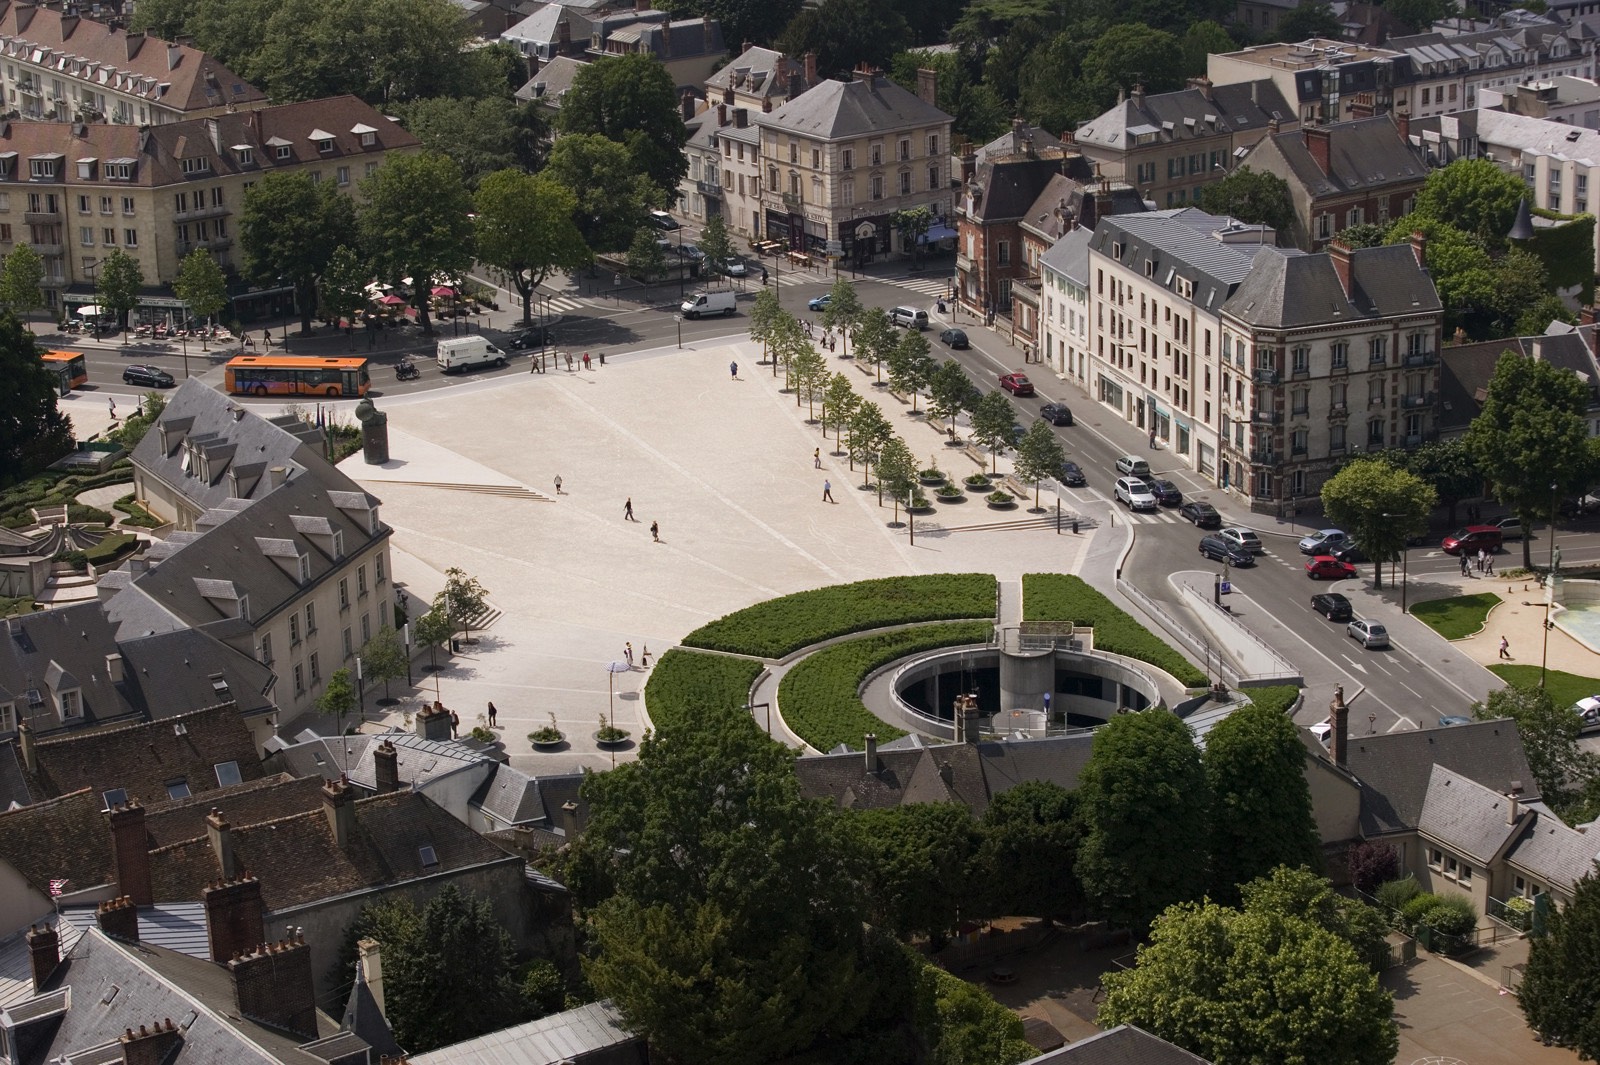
(391,301)
(91,311)
(444,290)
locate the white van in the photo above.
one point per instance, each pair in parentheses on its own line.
(703,303)
(458,353)
(910,317)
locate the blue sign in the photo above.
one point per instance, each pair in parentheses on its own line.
(1226,587)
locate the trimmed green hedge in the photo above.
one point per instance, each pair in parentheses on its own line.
(1063,597)
(137,515)
(784,625)
(685,687)
(818,695)
(109,549)
(1277,698)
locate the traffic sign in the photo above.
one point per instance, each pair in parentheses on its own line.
(1225,587)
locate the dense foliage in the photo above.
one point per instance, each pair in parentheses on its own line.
(1260,803)
(33,431)
(1560,990)
(687,688)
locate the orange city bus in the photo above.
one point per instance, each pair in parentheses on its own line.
(72,370)
(288,375)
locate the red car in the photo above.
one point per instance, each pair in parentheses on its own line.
(1016,383)
(1472,539)
(1328,568)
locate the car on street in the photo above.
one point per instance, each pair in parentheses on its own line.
(691,251)
(1472,539)
(537,336)
(1133,465)
(1588,708)
(151,376)
(820,303)
(1454,719)
(734,267)
(1332,606)
(1204,515)
(663,220)
(1016,382)
(1217,549)
(1244,538)
(1056,413)
(1370,634)
(1510,527)
(1165,491)
(1351,552)
(1323,542)
(1071,475)
(1328,568)
(955,339)
(1135,493)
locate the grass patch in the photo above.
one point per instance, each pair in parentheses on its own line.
(1564,688)
(1277,698)
(137,515)
(687,687)
(784,625)
(53,487)
(12,605)
(1063,597)
(1459,616)
(819,697)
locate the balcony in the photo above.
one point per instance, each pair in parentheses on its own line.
(1339,369)
(41,218)
(1267,417)
(1339,410)
(1417,399)
(1264,375)
(708,188)
(1264,456)
(200,214)
(793,201)
(1421,358)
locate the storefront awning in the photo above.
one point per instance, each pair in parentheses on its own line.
(936,234)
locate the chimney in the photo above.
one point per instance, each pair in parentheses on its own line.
(433,722)
(722,114)
(1339,255)
(370,957)
(1067,137)
(235,918)
(30,755)
(1419,247)
(114,668)
(795,88)
(338,803)
(220,833)
(273,985)
(928,86)
(1272,126)
(1319,145)
(666,38)
(969,163)
(1513,809)
(1362,106)
(1402,122)
(686,104)
(741,117)
(131,847)
(1138,94)
(276,475)
(1586,314)
(1019,134)
(569,820)
(810,60)
(386,767)
(1341,727)
(118,918)
(872,752)
(149,1045)
(174,56)
(44,953)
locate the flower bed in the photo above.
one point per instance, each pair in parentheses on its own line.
(1063,597)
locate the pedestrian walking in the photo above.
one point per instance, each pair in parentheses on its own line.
(816,458)
(627,510)
(1482,554)
(569,362)
(763,275)
(833,343)
(493,720)
(655,532)
(586,360)
(455,724)
(1152,437)
(602,358)
(1488,566)
(827,491)
(733,370)
(113,405)
(558,484)
(1505,647)
(644,656)
(627,653)
(1465,570)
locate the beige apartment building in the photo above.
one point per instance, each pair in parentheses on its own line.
(75,191)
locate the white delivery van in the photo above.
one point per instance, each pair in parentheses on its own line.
(458,353)
(703,303)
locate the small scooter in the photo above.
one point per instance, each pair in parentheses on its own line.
(406,370)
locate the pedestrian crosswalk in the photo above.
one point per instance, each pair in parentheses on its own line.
(936,286)
(1131,517)
(563,304)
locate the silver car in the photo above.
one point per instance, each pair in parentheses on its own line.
(1324,542)
(1370,634)
(1135,493)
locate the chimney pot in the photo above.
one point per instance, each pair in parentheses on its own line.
(569,820)
(1419,247)
(276,988)
(386,767)
(130,845)
(44,954)
(810,61)
(872,752)
(235,918)
(220,834)
(1513,809)
(928,86)
(433,723)
(338,803)
(118,918)
(1339,255)
(371,962)
(30,756)
(1341,727)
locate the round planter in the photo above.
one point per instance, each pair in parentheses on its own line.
(956,496)
(986,487)
(1009,504)
(933,482)
(549,745)
(620,741)
(924,508)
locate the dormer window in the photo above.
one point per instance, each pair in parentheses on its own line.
(368,135)
(178,789)
(305,569)
(114,798)
(86,169)
(323,140)
(44,167)
(8,717)
(119,170)
(285,153)
(200,165)
(245,154)
(70,704)
(228,774)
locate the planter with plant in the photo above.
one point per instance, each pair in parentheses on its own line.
(547,738)
(919,504)
(1000,500)
(932,476)
(977,482)
(949,493)
(609,734)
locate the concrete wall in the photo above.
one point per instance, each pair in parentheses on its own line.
(21,904)
(1335,802)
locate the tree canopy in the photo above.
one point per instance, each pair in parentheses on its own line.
(289,228)
(632,100)
(846,33)
(33,431)
(1253,196)
(117,284)
(1560,990)
(1549,734)
(20,281)
(416,222)
(1260,804)
(525,230)
(1380,505)
(482,135)
(1475,196)
(613,199)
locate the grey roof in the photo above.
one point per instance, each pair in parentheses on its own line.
(1122,1045)
(1465,369)
(551,81)
(570,1036)
(1021,139)
(1395,768)
(177,926)
(312,755)
(364,1020)
(1180,243)
(1285,289)
(757,71)
(510,797)
(537,28)
(683,38)
(13,787)
(842,110)
(16,966)
(1364,155)
(1467,817)
(1070,255)
(1527,134)
(1187,114)
(419,761)
(1008,185)
(1554,853)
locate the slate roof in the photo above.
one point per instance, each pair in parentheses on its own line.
(1554,853)
(252,802)
(1467,817)
(1070,255)
(1008,185)
(757,71)
(1185,115)
(581,1034)
(510,797)
(419,761)
(1465,369)
(177,926)
(1364,155)
(682,39)
(66,838)
(13,786)
(1021,139)
(556,76)
(1122,1045)
(1286,289)
(1180,243)
(1395,768)
(537,28)
(16,966)
(844,110)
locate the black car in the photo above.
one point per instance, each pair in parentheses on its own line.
(1165,491)
(535,337)
(1071,475)
(1332,606)
(1204,515)
(1217,549)
(153,376)
(955,339)
(1351,553)
(1056,413)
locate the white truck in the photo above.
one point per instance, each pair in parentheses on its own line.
(458,353)
(703,303)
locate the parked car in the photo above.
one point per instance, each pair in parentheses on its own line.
(1369,634)
(1332,606)
(1510,527)
(152,376)
(1242,538)
(1588,708)
(1351,552)
(734,267)
(1071,475)
(1217,549)
(691,251)
(1328,568)
(954,339)
(1133,465)
(1165,491)
(1056,413)
(1323,542)
(1204,515)
(820,303)
(1472,539)
(537,336)
(1016,383)
(663,220)
(1135,493)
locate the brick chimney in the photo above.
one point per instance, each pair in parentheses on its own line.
(1339,255)
(1319,145)
(795,87)
(433,723)
(44,954)
(339,804)
(569,820)
(386,767)
(30,756)
(1419,247)
(810,60)
(272,984)
(235,918)
(220,833)
(1402,122)
(686,105)
(130,845)
(1362,105)
(872,752)
(1202,85)
(370,955)
(722,114)
(1340,720)
(928,86)
(150,1045)
(118,918)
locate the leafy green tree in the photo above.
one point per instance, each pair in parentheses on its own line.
(383,658)
(845,34)
(897,473)
(289,228)
(342,291)
(992,420)
(1549,738)
(716,244)
(632,100)
(525,231)
(1538,315)
(911,363)
(339,699)
(1529,437)
(1475,196)
(201,285)
(712,891)
(543,988)
(764,317)
(951,391)
(1449,467)
(760,21)
(1253,196)
(869,431)
(839,403)
(874,335)
(976,113)
(482,135)
(1294,891)
(1198,42)
(136,425)
(789,344)
(845,310)
(118,283)
(911,223)
(1027,851)
(614,199)
(1380,506)
(461,600)
(1133,54)
(1049,81)
(1560,990)
(20,281)
(433,630)
(1420,15)
(33,431)
(915,862)
(1260,803)
(810,372)
(1363,235)
(1145,803)
(416,221)
(1039,455)
(1313,18)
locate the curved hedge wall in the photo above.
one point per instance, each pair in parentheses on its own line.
(1063,597)
(687,686)
(784,625)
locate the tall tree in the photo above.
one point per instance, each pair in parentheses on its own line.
(383,658)
(846,33)
(1260,803)
(1560,990)
(764,315)
(525,231)
(1145,803)
(911,223)
(869,431)
(202,286)
(117,284)
(810,379)
(289,228)
(1380,506)
(915,864)
(1549,734)
(976,113)
(461,599)
(1134,54)
(1199,41)
(844,310)
(633,100)
(1313,18)
(1253,196)
(614,199)
(33,431)
(342,291)
(839,405)
(1039,455)
(1027,852)
(897,473)
(993,419)
(1449,467)
(910,365)
(482,135)
(1475,196)
(20,281)
(339,699)
(760,21)
(433,630)
(1294,891)
(874,335)
(1529,437)
(716,244)
(647,263)
(951,391)
(416,221)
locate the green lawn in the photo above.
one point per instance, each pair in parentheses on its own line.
(1458,617)
(1064,597)
(1564,688)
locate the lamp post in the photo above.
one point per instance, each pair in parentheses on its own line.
(1405,554)
(361,691)
(1550,579)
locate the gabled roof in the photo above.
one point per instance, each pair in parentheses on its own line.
(1004,187)
(1467,817)
(1179,243)
(578,1034)
(1466,369)
(1395,768)
(757,71)
(1122,1045)
(66,839)
(252,802)
(843,110)
(1187,115)
(552,80)
(1070,255)
(510,797)
(1286,289)
(539,27)
(1364,155)
(1553,853)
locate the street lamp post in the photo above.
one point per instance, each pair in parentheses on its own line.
(1549,587)
(361,691)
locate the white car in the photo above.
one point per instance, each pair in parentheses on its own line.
(1588,709)
(1242,538)
(735,268)
(1135,493)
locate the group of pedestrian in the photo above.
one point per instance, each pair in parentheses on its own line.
(627,515)
(644,656)
(1484,560)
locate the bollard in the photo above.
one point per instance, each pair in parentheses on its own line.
(1074,526)
(602,358)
